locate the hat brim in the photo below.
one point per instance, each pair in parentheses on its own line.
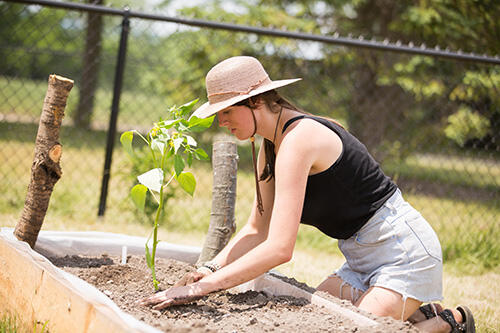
(207,109)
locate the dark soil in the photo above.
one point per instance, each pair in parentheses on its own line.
(218,312)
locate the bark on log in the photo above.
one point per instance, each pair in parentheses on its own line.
(45,170)
(222,225)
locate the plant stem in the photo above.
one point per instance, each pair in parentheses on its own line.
(155,226)
(155,239)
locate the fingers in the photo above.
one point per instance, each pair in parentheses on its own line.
(182,282)
(189,278)
(164,301)
(150,300)
(172,296)
(163,305)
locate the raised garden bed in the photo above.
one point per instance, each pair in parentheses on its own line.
(268,303)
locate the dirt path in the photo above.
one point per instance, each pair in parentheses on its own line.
(219,312)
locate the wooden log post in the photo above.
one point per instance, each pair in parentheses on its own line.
(222,222)
(45,170)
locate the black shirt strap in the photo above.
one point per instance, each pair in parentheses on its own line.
(290,121)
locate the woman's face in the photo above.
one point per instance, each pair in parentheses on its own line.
(238,120)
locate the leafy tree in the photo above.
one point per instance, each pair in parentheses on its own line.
(384,87)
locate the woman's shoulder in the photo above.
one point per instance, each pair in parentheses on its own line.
(312,139)
(310,130)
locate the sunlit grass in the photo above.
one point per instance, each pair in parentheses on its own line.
(8,324)
(477,172)
(468,231)
(22,99)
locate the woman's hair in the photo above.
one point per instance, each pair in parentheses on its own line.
(275,102)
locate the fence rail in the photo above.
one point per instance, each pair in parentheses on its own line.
(360,42)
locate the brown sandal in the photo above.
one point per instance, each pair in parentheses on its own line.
(467,326)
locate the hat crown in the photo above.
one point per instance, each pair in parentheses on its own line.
(234,76)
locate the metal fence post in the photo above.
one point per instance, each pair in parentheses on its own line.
(117,89)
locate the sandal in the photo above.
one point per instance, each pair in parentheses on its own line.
(467,326)
(429,310)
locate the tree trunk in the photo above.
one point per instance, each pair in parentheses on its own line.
(222,225)
(45,170)
(90,72)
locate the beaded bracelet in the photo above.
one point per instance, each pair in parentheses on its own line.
(209,267)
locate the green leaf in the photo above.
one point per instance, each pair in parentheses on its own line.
(185,109)
(183,126)
(153,179)
(169,123)
(138,194)
(178,143)
(170,152)
(158,145)
(191,141)
(189,158)
(126,141)
(178,164)
(187,182)
(198,124)
(201,154)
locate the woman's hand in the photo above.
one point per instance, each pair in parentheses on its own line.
(190,278)
(174,296)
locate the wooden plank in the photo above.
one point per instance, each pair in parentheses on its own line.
(33,288)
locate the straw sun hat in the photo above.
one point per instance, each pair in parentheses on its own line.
(234,80)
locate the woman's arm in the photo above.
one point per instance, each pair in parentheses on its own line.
(293,163)
(256,229)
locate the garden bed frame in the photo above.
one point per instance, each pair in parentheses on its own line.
(38,292)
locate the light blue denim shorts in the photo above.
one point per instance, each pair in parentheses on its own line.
(396,249)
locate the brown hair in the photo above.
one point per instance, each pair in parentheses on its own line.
(275,102)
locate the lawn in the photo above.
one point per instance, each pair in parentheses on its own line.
(466,225)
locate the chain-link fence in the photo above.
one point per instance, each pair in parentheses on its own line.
(432,122)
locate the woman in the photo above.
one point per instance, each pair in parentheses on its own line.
(311,170)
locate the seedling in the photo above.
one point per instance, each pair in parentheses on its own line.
(172,149)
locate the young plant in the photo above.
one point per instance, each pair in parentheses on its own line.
(171,149)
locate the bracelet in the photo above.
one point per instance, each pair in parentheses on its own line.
(204,270)
(212,266)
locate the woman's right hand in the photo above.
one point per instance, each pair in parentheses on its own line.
(190,278)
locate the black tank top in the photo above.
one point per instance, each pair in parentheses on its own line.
(341,199)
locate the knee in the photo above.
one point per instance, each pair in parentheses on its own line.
(334,285)
(387,303)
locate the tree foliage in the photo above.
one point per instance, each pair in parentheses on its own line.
(353,85)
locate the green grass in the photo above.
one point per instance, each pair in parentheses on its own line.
(467,225)
(23,99)
(477,172)
(8,324)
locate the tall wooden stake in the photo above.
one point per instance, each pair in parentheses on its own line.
(45,170)
(222,226)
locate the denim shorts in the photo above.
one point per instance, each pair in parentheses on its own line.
(396,249)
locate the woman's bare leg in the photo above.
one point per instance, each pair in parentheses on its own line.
(384,302)
(335,286)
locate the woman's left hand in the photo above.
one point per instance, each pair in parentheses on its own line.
(174,296)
